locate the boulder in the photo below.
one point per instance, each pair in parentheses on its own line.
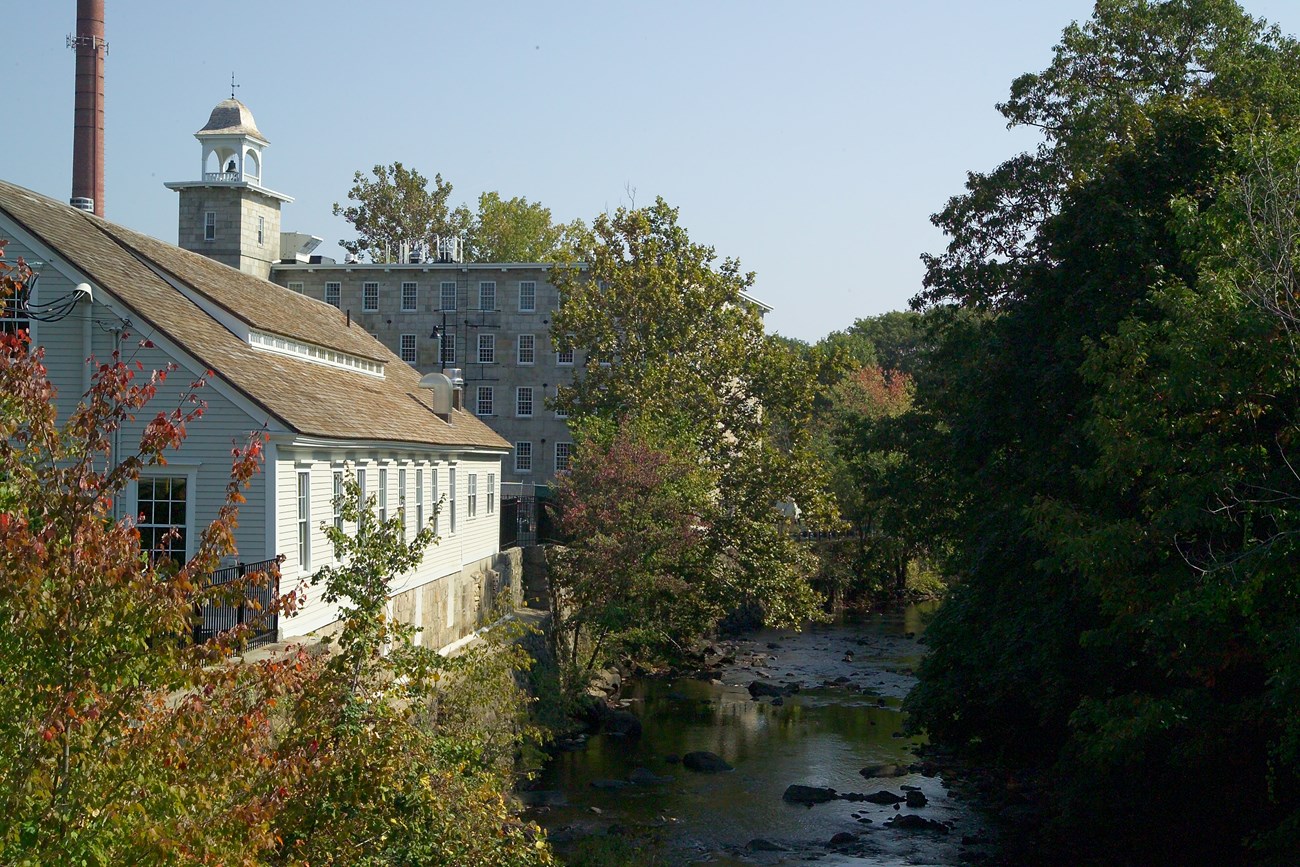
(623,724)
(916,799)
(883,797)
(912,822)
(760,688)
(843,838)
(704,762)
(797,794)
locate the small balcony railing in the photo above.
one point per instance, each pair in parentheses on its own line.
(221,176)
(256,603)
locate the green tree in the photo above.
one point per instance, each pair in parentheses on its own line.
(397,207)
(517,230)
(670,335)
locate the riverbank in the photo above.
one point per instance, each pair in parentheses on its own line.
(819,709)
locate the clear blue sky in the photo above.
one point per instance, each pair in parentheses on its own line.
(810,140)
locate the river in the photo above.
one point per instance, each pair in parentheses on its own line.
(846,716)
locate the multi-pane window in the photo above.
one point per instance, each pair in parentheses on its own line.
(483,404)
(161,504)
(338,500)
(563,455)
(447,344)
(407,345)
(447,295)
(209,225)
(295,286)
(361,501)
(332,294)
(369,297)
(564,357)
(451,499)
(261,231)
(560,411)
(527,296)
(471,502)
(524,401)
(419,499)
(491,493)
(523,457)
(487,295)
(527,346)
(382,505)
(13,312)
(433,496)
(410,294)
(401,503)
(487,348)
(304,519)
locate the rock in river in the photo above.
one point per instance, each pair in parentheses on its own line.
(623,723)
(760,688)
(797,794)
(705,762)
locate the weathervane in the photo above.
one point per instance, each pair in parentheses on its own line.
(233,85)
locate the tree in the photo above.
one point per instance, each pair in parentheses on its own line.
(397,207)
(517,230)
(669,335)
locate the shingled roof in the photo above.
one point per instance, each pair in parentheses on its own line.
(309,398)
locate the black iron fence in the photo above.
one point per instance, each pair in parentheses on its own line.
(528,521)
(253,602)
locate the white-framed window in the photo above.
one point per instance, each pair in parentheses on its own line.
(338,499)
(410,296)
(471,502)
(524,401)
(295,286)
(563,456)
(401,504)
(382,495)
(332,294)
(487,349)
(523,457)
(487,295)
(451,500)
(419,499)
(261,231)
(304,518)
(407,345)
(564,357)
(491,493)
(527,296)
(433,496)
(162,507)
(361,499)
(369,297)
(209,225)
(483,401)
(526,349)
(560,412)
(13,312)
(447,295)
(447,343)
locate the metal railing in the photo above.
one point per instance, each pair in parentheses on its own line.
(256,605)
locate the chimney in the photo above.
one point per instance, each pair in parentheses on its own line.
(88,118)
(457,386)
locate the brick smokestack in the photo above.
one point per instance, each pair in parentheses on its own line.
(88,120)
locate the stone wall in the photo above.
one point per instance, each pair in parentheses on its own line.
(454,606)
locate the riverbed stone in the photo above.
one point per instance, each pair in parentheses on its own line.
(884,796)
(843,838)
(761,688)
(623,723)
(916,799)
(913,822)
(704,762)
(797,794)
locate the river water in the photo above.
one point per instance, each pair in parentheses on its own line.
(823,735)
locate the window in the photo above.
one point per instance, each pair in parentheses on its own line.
(361,501)
(491,493)
(487,348)
(527,296)
(563,454)
(13,312)
(338,500)
(560,412)
(369,297)
(524,401)
(332,294)
(161,505)
(261,231)
(523,457)
(527,349)
(483,405)
(447,296)
(304,519)
(487,295)
(471,503)
(419,499)
(433,496)
(564,357)
(407,344)
(410,294)
(382,506)
(295,286)
(401,504)
(209,225)
(448,344)
(451,499)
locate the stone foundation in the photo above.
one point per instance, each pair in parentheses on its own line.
(454,606)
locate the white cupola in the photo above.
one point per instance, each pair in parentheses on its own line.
(232,145)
